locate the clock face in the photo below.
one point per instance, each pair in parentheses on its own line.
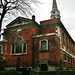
(19,30)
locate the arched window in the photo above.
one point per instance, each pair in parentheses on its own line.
(19,45)
(44,45)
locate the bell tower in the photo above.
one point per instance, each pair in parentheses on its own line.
(55,12)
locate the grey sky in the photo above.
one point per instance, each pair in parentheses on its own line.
(67,12)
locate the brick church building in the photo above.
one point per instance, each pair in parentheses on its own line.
(43,46)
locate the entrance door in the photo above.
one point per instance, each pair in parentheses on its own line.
(44,67)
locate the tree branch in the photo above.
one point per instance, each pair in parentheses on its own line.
(12,7)
(2,3)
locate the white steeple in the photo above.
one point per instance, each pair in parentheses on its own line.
(55,12)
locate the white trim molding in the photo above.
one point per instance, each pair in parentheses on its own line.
(67,52)
(46,44)
(58,31)
(43,35)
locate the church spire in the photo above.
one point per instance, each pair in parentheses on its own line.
(55,12)
(54,6)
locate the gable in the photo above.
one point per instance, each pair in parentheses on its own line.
(18,21)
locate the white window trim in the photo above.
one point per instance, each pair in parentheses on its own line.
(40,44)
(18,53)
(67,53)
(65,61)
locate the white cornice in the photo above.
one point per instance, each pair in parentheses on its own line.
(19,25)
(43,35)
(67,53)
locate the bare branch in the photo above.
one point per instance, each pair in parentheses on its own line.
(2,3)
(0,14)
(13,7)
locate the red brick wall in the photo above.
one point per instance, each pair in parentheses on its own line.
(71,45)
(51,21)
(43,55)
(53,49)
(48,30)
(53,55)
(25,59)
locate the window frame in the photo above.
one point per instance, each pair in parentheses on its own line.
(73,60)
(65,57)
(68,59)
(23,42)
(63,37)
(19,45)
(46,44)
(67,43)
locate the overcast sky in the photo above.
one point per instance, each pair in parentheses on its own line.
(67,13)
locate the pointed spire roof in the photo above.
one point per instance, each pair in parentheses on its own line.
(55,12)
(54,7)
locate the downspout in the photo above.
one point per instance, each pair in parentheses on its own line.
(33,54)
